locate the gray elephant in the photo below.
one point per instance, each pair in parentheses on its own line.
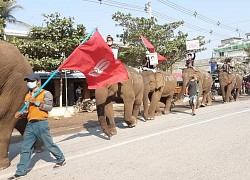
(14,68)
(204,81)
(158,87)
(129,92)
(237,88)
(227,84)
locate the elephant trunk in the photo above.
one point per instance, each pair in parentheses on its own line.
(183,90)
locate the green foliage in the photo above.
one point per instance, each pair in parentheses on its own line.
(163,37)
(47,46)
(1,28)
(7,8)
(248,51)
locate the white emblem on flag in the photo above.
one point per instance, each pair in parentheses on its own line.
(99,68)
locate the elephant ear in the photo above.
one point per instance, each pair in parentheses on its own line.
(160,80)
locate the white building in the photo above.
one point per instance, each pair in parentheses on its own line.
(232,47)
(8,33)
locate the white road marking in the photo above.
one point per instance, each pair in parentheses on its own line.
(131,141)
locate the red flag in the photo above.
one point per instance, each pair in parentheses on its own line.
(161,58)
(150,47)
(96,61)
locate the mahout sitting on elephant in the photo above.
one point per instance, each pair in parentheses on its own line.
(14,69)
(159,86)
(129,92)
(204,80)
(230,81)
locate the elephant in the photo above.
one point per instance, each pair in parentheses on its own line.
(14,69)
(205,81)
(227,84)
(158,86)
(237,88)
(231,84)
(130,92)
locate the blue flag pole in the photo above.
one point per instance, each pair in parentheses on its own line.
(88,36)
(52,75)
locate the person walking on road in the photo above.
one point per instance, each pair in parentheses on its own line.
(192,90)
(37,126)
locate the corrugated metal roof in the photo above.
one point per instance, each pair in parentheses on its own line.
(75,75)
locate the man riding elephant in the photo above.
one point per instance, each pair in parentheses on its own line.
(227,81)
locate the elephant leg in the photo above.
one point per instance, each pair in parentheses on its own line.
(167,108)
(102,120)
(238,94)
(4,145)
(205,98)
(228,93)
(11,99)
(198,102)
(104,126)
(156,96)
(223,93)
(209,99)
(128,109)
(158,110)
(145,106)
(137,106)
(110,118)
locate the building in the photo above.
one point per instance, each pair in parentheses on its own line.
(232,47)
(62,84)
(9,33)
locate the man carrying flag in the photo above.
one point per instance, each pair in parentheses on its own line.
(96,61)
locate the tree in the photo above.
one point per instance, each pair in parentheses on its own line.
(163,37)
(48,46)
(1,28)
(7,8)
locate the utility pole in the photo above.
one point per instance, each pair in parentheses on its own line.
(148,8)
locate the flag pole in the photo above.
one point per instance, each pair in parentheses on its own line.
(87,37)
(53,74)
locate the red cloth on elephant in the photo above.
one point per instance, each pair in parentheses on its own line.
(97,62)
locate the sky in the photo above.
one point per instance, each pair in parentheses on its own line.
(230,14)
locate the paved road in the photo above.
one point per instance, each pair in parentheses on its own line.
(214,144)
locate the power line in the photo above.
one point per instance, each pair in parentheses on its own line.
(191,26)
(118,5)
(157,14)
(199,16)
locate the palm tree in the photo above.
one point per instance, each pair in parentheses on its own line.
(7,8)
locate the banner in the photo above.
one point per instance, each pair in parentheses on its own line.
(153,58)
(192,45)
